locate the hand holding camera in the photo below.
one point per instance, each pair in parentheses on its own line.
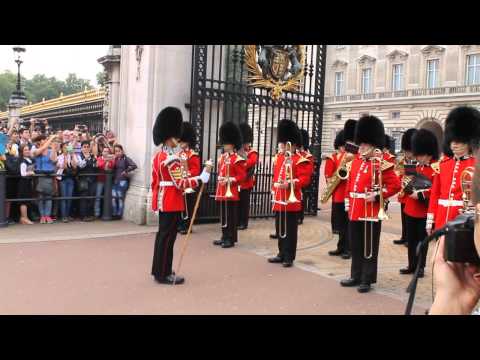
(457,284)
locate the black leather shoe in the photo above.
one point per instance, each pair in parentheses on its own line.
(169,280)
(241,227)
(300,222)
(218,242)
(421,273)
(399,242)
(273,236)
(287,263)
(183,232)
(227,244)
(406,271)
(349,282)
(275,260)
(364,288)
(335,252)
(346,256)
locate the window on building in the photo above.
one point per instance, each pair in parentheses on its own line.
(395,115)
(338,117)
(432,73)
(366,81)
(339,83)
(397,77)
(397,135)
(473,69)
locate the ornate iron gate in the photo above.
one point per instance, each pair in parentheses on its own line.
(220,92)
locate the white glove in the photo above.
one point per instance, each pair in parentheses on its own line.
(204,176)
(347,205)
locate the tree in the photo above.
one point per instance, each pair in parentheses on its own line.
(101,78)
(73,84)
(8,82)
(40,87)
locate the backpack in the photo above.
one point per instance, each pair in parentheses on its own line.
(13,165)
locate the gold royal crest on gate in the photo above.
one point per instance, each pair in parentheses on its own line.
(275,67)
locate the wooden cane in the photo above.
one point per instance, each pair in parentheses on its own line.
(185,243)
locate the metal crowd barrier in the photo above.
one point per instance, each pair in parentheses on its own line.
(107,191)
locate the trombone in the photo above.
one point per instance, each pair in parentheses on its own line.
(376,187)
(285,177)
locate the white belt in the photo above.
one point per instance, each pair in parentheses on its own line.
(166,183)
(360,195)
(446,202)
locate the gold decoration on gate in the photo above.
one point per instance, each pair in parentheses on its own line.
(275,67)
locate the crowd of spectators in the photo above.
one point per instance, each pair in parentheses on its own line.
(42,163)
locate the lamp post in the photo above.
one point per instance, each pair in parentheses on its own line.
(18,98)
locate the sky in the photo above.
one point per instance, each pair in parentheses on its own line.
(56,60)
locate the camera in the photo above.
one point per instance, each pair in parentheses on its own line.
(459,241)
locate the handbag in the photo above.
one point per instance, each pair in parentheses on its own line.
(45,185)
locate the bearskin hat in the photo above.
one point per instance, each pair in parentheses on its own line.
(349,130)
(407,139)
(305,139)
(463,125)
(167,125)
(424,142)
(288,131)
(230,134)
(390,144)
(339,140)
(370,130)
(247,133)
(188,134)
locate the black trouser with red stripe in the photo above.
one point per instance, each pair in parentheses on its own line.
(183,224)
(244,209)
(364,268)
(340,224)
(404,223)
(163,250)
(287,246)
(416,233)
(229,221)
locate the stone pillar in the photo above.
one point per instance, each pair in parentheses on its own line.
(111,64)
(151,78)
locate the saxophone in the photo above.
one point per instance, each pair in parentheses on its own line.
(341,174)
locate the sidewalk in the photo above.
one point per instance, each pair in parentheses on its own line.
(315,240)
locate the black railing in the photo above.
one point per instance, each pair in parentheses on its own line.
(107,191)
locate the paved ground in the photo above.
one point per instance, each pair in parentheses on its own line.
(103,268)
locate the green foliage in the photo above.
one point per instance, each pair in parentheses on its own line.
(40,87)
(101,79)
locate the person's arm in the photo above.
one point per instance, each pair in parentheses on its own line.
(45,146)
(131,166)
(94,146)
(81,163)
(54,152)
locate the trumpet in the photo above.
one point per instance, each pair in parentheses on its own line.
(228,193)
(285,177)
